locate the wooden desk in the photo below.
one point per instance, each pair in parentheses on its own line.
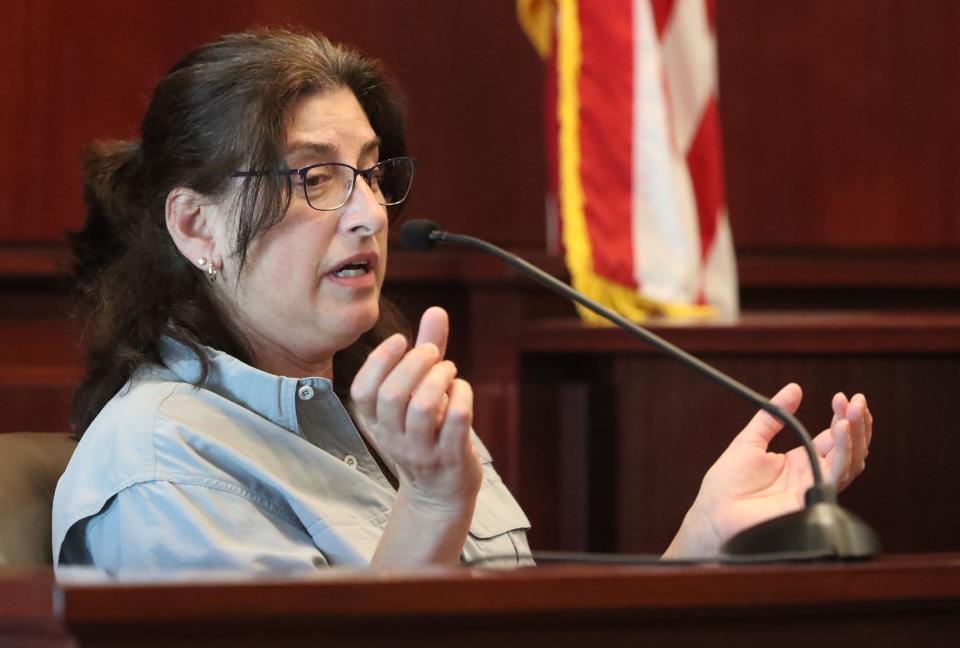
(894,600)
(27,615)
(616,437)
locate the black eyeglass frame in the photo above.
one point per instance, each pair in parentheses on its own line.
(366,174)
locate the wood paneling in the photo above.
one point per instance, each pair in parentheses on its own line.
(840,122)
(78,71)
(652,427)
(38,357)
(839,118)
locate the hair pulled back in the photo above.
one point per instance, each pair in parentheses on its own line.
(221,108)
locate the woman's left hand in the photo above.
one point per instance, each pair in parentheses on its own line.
(748,484)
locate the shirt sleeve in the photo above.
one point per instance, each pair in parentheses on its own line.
(163,525)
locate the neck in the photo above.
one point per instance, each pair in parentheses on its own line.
(270,357)
(293,367)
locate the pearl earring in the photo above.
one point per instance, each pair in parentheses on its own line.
(211,271)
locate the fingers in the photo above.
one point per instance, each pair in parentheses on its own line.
(839,407)
(455,431)
(857,415)
(405,392)
(398,387)
(859,401)
(838,459)
(860,432)
(846,444)
(434,328)
(763,426)
(419,415)
(380,362)
(823,442)
(429,403)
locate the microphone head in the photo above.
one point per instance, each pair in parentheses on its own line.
(415,234)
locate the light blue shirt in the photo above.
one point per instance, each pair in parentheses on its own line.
(251,471)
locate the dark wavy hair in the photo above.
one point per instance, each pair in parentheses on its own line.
(219,109)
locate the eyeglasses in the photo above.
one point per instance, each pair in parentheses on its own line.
(328,186)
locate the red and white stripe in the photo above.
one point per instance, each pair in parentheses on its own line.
(682,246)
(634,152)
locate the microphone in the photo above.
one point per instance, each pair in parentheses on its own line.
(820,530)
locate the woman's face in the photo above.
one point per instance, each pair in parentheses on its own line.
(295,301)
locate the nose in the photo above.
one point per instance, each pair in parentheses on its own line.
(363,214)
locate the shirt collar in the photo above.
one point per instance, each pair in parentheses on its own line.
(270,396)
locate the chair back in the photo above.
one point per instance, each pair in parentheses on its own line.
(30,465)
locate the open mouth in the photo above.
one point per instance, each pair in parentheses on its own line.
(353,269)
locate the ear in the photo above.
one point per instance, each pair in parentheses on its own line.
(191,221)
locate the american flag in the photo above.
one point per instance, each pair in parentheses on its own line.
(633,146)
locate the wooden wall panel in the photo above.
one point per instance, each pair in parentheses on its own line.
(840,122)
(674,426)
(650,428)
(78,71)
(839,118)
(38,360)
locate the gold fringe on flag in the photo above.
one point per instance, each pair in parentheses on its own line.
(537,19)
(622,299)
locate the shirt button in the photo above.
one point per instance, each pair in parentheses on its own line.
(305,392)
(350,460)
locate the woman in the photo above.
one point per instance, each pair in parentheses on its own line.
(249,401)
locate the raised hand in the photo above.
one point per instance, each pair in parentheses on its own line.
(417,414)
(748,485)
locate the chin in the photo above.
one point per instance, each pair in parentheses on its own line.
(362,321)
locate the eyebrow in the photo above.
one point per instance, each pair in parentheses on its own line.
(328,148)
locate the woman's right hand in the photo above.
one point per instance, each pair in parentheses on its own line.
(417,414)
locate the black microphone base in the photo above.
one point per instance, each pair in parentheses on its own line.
(820,531)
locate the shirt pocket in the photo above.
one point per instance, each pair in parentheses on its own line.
(498,532)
